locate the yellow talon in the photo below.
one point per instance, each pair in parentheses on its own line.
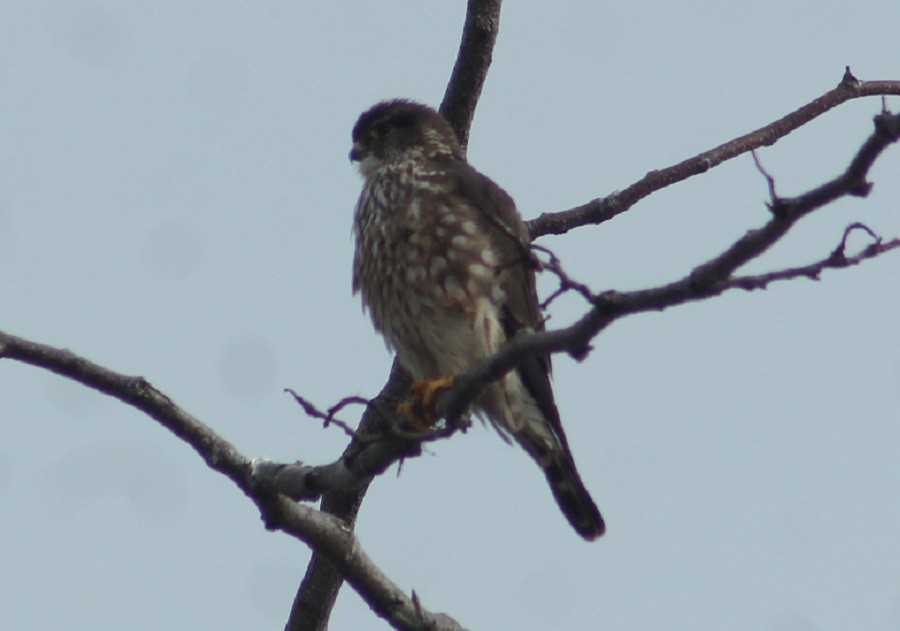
(420,408)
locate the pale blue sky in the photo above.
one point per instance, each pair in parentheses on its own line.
(176,201)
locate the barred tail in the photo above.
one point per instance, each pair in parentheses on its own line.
(573,499)
(517,414)
(565,484)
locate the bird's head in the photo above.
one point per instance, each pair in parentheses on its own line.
(397,130)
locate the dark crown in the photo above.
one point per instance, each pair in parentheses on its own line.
(413,123)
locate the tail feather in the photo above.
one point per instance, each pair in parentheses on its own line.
(555,460)
(571,495)
(515,413)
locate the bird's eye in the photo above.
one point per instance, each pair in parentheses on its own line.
(378,132)
(382,130)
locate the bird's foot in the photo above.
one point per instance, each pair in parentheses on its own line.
(421,408)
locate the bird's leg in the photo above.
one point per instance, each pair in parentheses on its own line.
(421,408)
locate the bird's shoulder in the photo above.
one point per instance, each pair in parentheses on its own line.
(496,208)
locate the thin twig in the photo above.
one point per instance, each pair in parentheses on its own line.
(603,209)
(566,282)
(836,260)
(839,252)
(770,181)
(329,418)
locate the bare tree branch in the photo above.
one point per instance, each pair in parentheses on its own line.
(344,484)
(472,62)
(603,209)
(371,452)
(836,260)
(328,535)
(219,454)
(706,280)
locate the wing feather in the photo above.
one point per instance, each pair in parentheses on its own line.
(510,240)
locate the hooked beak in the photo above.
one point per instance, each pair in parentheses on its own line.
(356,153)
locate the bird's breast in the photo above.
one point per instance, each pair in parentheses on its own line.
(427,275)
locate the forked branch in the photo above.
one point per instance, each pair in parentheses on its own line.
(706,280)
(322,532)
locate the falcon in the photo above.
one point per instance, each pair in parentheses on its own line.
(443,268)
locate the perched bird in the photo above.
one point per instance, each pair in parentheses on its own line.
(443,268)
